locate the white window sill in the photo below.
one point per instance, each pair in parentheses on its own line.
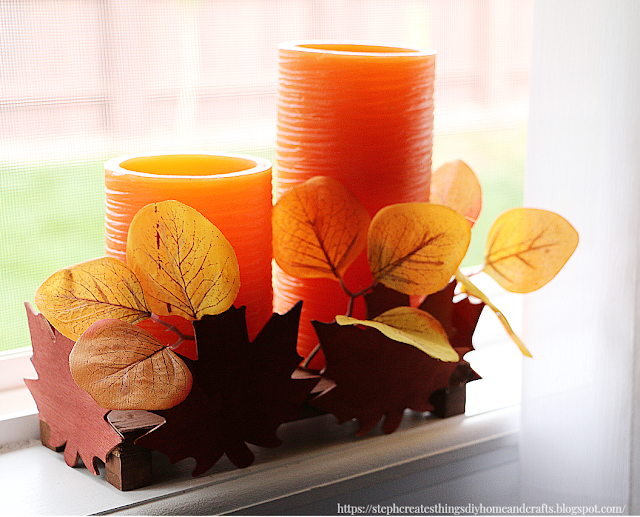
(319,460)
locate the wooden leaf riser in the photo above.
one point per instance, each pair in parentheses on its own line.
(72,420)
(129,466)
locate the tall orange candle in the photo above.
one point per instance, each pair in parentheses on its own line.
(233,191)
(363,114)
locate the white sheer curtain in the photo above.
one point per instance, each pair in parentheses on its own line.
(581,417)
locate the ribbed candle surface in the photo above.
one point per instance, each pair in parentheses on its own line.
(362,114)
(233,191)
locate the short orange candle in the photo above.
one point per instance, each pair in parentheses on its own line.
(362,114)
(232,191)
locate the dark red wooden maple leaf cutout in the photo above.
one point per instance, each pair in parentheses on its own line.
(74,418)
(376,377)
(382,298)
(459,319)
(242,391)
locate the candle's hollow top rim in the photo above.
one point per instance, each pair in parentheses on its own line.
(353,48)
(187,165)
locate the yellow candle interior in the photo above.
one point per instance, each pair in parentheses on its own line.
(188,164)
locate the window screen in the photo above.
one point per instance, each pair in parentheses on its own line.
(83,81)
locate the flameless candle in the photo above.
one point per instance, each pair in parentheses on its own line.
(232,191)
(363,114)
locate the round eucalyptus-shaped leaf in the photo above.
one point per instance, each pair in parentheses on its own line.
(73,298)
(412,326)
(125,367)
(185,264)
(319,228)
(415,248)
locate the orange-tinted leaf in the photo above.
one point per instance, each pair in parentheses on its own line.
(527,247)
(471,289)
(455,185)
(319,228)
(75,297)
(186,266)
(411,326)
(124,367)
(415,248)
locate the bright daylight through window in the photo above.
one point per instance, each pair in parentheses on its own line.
(85,81)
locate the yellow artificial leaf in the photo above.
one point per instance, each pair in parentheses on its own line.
(471,289)
(527,247)
(415,248)
(455,185)
(185,265)
(319,228)
(122,366)
(411,326)
(75,297)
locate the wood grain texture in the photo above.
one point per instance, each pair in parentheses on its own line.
(73,418)
(129,467)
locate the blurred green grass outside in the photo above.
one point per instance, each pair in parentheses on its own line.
(52,214)
(498,159)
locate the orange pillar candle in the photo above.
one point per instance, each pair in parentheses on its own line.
(233,191)
(362,114)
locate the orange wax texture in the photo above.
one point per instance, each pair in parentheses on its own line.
(233,191)
(362,114)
